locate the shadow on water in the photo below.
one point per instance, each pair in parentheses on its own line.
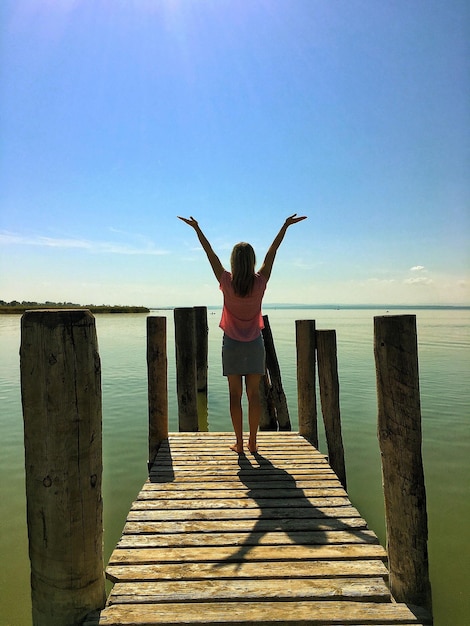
(289,511)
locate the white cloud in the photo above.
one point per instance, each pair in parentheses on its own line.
(418,280)
(417,268)
(7,238)
(306,265)
(380,281)
(110,247)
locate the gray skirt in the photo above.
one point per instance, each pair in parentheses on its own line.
(243,357)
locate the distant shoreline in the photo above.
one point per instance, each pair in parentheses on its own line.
(7,309)
(11,309)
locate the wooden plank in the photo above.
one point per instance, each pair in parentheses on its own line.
(243,590)
(243,460)
(233,460)
(238,525)
(219,449)
(326,613)
(166,474)
(144,537)
(240,492)
(271,440)
(221,554)
(259,481)
(148,509)
(288,570)
(259,503)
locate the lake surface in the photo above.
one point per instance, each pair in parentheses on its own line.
(444,363)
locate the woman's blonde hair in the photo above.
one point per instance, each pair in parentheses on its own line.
(243,261)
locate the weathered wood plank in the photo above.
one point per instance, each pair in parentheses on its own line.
(270,439)
(137,523)
(222,554)
(258,481)
(259,503)
(166,474)
(147,508)
(211,466)
(191,455)
(243,590)
(287,570)
(142,535)
(324,613)
(149,491)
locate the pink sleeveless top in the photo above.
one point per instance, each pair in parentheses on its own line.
(242,319)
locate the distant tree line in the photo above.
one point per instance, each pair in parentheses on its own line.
(20,307)
(33,304)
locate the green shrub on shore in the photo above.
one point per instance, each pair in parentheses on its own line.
(21,307)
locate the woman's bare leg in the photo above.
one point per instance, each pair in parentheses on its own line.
(252,382)
(235,390)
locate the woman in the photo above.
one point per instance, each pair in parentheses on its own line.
(243,352)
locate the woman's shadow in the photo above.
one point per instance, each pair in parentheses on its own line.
(285,510)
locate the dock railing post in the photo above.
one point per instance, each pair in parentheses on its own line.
(201,330)
(328,382)
(61,398)
(399,433)
(306,391)
(157,374)
(272,365)
(186,383)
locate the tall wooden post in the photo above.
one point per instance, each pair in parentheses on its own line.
(272,365)
(157,374)
(186,369)
(399,433)
(61,397)
(201,330)
(329,397)
(306,392)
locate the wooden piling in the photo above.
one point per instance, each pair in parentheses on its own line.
(306,392)
(329,396)
(201,330)
(268,421)
(157,374)
(186,384)
(399,433)
(272,365)
(61,397)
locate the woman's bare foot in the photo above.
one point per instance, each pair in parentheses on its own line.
(237,447)
(252,447)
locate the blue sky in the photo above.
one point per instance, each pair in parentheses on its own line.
(118,115)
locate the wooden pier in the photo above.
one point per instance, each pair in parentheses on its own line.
(264,538)
(214,537)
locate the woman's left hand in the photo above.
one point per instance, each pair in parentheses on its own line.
(190,221)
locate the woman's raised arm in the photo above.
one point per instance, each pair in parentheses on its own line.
(214,260)
(267,265)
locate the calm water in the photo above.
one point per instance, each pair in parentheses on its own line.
(444,359)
